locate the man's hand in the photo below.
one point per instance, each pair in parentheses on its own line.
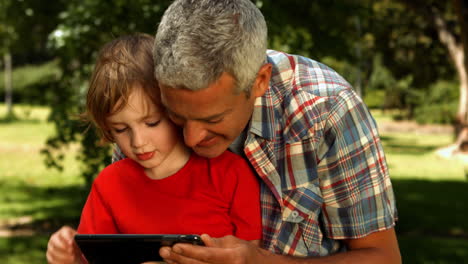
(62,248)
(224,250)
(379,247)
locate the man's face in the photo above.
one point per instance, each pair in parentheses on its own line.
(212,117)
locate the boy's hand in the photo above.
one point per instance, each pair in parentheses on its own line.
(62,249)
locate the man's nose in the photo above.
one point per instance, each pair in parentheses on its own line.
(194,133)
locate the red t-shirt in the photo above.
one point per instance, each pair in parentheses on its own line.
(218,196)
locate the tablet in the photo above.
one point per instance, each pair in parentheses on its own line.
(128,248)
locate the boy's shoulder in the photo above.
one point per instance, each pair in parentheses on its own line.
(117,168)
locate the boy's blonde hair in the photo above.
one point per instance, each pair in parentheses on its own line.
(121,63)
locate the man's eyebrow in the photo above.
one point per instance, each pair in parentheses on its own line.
(206,118)
(215,116)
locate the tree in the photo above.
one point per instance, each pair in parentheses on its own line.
(24,29)
(8,35)
(449,20)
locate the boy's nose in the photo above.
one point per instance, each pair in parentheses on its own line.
(138,139)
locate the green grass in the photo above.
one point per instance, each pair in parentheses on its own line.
(412,156)
(20,250)
(431,192)
(29,191)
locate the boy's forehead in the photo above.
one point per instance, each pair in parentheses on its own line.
(137,100)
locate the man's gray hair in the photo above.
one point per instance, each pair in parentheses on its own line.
(198,40)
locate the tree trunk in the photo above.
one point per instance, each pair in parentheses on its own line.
(461,8)
(457,51)
(8,84)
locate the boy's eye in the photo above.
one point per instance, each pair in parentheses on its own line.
(153,124)
(120,130)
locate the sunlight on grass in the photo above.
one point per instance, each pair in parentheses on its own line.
(413,156)
(27,112)
(20,158)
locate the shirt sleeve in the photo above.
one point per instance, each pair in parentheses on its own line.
(96,217)
(354,178)
(245,209)
(117,154)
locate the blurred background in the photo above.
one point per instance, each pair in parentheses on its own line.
(407,59)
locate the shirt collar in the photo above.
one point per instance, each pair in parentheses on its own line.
(263,121)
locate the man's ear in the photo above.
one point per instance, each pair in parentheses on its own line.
(262,82)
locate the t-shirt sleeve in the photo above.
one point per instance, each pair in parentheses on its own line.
(245,209)
(96,218)
(354,178)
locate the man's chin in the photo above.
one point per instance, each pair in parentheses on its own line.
(209,152)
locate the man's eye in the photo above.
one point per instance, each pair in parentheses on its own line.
(153,124)
(214,121)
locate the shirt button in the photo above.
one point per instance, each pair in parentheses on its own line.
(294,214)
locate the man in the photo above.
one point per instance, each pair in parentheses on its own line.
(326,193)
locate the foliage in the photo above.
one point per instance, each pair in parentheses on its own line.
(439,104)
(31,82)
(405,38)
(400,94)
(24,29)
(375,99)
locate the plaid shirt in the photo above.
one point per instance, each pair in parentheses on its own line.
(316,148)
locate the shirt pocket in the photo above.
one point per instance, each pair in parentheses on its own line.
(300,218)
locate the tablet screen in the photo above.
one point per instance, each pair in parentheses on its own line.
(128,248)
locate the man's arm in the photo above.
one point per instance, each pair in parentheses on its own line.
(379,247)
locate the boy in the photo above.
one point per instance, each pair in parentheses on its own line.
(161,187)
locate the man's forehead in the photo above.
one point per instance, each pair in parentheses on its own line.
(184,111)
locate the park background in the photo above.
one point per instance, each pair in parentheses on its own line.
(405,58)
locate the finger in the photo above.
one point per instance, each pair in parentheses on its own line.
(62,240)
(55,255)
(201,254)
(59,258)
(167,255)
(60,247)
(221,242)
(67,234)
(209,241)
(172,257)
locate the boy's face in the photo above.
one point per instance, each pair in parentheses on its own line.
(147,136)
(213,117)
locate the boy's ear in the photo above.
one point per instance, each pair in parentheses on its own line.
(262,82)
